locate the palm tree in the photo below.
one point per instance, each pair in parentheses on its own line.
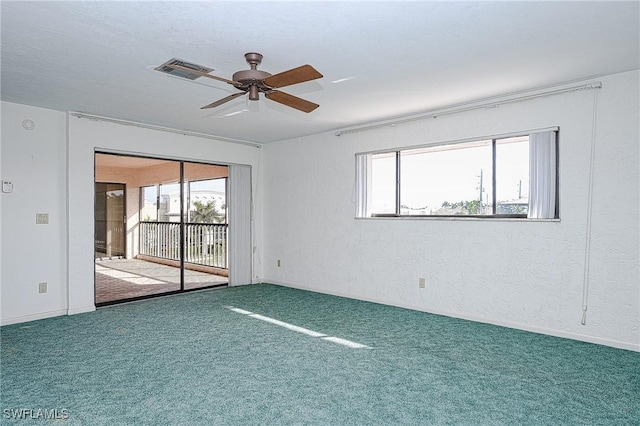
(205,212)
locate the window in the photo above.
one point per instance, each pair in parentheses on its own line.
(169,205)
(149,203)
(207,201)
(383,183)
(513,176)
(160,203)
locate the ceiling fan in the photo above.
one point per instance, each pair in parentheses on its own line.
(254,81)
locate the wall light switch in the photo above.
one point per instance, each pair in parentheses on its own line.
(421,282)
(42,287)
(42,218)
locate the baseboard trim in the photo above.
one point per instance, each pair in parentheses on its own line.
(81,310)
(519,326)
(33,317)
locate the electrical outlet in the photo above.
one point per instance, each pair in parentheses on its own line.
(42,287)
(421,282)
(278,263)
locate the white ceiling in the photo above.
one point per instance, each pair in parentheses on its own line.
(399,58)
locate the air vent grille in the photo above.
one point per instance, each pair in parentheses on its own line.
(166,68)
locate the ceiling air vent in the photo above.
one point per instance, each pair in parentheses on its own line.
(166,68)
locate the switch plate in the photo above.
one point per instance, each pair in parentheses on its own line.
(7,186)
(42,287)
(42,218)
(421,282)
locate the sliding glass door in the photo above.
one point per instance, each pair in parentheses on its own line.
(205,229)
(158,227)
(109,220)
(174,223)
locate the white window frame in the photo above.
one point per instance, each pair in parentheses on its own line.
(550,211)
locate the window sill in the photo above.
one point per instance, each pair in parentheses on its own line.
(458,218)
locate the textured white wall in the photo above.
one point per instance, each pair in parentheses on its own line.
(35,160)
(521,274)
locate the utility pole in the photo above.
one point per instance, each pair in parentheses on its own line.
(481,187)
(519,189)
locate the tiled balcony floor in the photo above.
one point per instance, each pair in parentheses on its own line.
(119,279)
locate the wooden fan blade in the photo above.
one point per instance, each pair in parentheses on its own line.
(293,76)
(291,101)
(223,100)
(202,74)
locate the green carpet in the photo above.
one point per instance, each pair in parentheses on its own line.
(190,359)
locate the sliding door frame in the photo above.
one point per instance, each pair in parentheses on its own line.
(183,223)
(124,208)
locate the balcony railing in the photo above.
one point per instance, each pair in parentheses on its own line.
(205,244)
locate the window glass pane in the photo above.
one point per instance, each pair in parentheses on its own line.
(447,180)
(149,204)
(169,210)
(383,183)
(512,175)
(208,201)
(205,235)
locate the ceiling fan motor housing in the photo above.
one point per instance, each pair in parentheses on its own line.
(252,80)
